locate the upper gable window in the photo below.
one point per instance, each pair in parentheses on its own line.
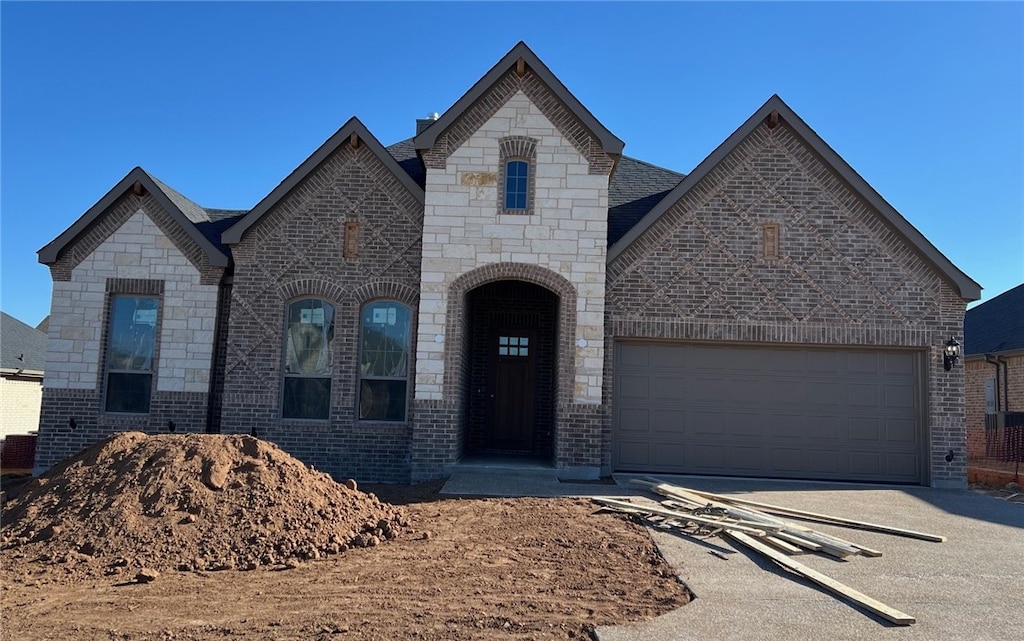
(518,167)
(309,355)
(517,174)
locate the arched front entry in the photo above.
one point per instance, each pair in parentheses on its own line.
(512,373)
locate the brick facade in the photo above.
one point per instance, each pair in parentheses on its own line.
(296,250)
(1009,394)
(842,277)
(772,245)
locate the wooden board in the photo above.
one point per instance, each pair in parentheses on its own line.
(877,607)
(821,518)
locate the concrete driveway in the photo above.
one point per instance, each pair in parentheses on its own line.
(969,588)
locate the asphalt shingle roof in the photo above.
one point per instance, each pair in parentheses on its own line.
(21,346)
(996,325)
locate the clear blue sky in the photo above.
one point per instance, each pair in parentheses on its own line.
(222,101)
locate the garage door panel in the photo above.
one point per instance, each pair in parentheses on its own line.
(746,459)
(901,431)
(633,420)
(768,411)
(632,355)
(900,396)
(668,421)
(633,387)
(864,428)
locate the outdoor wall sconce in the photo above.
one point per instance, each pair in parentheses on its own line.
(950,354)
(72,424)
(171,426)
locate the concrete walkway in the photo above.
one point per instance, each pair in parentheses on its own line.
(969,588)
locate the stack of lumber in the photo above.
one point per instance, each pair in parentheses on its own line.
(766,529)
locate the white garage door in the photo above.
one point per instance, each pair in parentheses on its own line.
(837,414)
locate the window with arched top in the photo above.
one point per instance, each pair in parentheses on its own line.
(309,359)
(517,185)
(384,356)
(517,166)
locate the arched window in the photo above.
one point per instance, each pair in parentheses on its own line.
(517,185)
(309,357)
(384,346)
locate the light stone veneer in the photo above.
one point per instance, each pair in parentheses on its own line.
(138,249)
(565,233)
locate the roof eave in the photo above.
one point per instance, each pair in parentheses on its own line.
(233,235)
(967,288)
(50,253)
(610,143)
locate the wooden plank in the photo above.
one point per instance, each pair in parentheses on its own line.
(822,518)
(682,516)
(783,545)
(796,540)
(872,605)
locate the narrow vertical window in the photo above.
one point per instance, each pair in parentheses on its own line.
(309,355)
(384,361)
(517,180)
(131,346)
(771,241)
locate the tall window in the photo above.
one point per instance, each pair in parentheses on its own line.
(309,354)
(131,346)
(517,182)
(384,361)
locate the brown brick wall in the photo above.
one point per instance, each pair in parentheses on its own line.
(297,250)
(1009,398)
(57,440)
(842,277)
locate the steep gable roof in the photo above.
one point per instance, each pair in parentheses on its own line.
(966,287)
(22,347)
(635,188)
(183,211)
(609,142)
(996,325)
(353,127)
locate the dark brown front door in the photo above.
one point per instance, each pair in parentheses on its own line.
(512,390)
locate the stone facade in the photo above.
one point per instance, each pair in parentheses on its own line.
(841,276)
(136,248)
(296,250)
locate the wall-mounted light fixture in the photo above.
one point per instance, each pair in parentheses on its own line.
(72,424)
(950,354)
(171,426)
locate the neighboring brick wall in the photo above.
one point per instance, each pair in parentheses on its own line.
(842,276)
(296,250)
(1009,398)
(19,404)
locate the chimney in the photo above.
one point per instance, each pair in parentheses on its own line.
(423,123)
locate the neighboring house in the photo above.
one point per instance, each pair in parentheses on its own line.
(994,364)
(22,363)
(507,282)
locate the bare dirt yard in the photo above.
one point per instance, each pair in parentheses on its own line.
(178,537)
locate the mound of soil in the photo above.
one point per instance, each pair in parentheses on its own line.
(189,502)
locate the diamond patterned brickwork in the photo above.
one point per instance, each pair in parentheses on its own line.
(842,276)
(296,250)
(487,105)
(838,264)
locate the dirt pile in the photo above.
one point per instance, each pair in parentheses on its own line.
(189,502)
